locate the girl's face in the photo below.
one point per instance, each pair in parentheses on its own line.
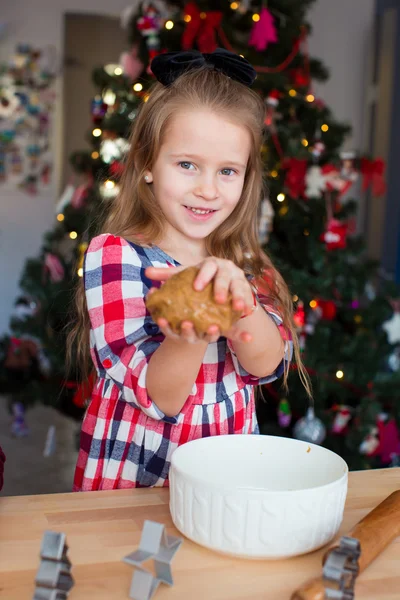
(199,173)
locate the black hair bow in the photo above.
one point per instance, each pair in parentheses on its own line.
(169,66)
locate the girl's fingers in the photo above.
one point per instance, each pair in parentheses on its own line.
(236,335)
(207,272)
(242,296)
(161,274)
(166,330)
(188,332)
(213,334)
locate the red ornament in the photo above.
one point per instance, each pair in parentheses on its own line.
(335,235)
(300,78)
(295,180)
(328,309)
(299,316)
(372,171)
(334,179)
(201,28)
(273,97)
(117,168)
(264,31)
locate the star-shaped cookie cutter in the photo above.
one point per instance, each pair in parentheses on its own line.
(154,545)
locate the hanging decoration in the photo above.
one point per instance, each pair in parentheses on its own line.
(266,220)
(310,428)
(26,102)
(373,175)
(53,266)
(335,235)
(295,179)
(392,326)
(131,64)
(315,182)
(264,31)
(284,413)
(201,28)
(341,420)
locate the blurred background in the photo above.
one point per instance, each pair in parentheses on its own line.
(72,75)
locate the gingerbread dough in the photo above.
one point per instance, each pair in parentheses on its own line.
(178,301)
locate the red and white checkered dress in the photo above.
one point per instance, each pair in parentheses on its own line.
(126,440)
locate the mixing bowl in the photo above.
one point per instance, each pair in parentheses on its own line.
(257,496)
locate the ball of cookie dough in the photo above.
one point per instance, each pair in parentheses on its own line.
(177,301)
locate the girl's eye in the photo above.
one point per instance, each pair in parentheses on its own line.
(227,171)
(186,165)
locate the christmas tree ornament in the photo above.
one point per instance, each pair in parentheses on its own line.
(370,445)
(53,265)
(98,110)
(372,172)
(341,420)
(299,316)
(264,31)
(65,199)
(394,360)
(335,235)
(389,438)
(295,179)
(266,220)
(284,413)
(310,428)
(328,309)
(80,195)
(131,64)
(315,182)
(392,326)
(335,180)
(317,150)
(201,28)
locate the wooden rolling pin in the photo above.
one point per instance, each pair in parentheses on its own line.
(374,532)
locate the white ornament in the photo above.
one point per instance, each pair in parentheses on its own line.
(266,219)
(309,428)
(65,199)
(371,443)
(315,182)
(392,328)
(113,149)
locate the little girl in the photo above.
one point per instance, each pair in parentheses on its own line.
(189,196)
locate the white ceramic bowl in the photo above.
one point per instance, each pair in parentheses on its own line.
(257,496)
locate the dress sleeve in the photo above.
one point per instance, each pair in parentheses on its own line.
(265,302)
(123,335)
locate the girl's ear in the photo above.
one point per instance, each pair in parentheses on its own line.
(148,177)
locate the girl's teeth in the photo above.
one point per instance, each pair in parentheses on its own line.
(200,212)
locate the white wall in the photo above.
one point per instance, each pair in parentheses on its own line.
(340,38)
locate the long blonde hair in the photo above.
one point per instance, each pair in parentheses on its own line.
(135,212)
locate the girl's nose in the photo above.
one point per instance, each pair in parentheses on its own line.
(207,189)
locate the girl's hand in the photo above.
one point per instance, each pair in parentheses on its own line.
(227,278)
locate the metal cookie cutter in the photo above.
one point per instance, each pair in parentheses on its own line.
(159,547)
(53,579)
(341,569)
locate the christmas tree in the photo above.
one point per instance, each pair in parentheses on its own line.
(347,314)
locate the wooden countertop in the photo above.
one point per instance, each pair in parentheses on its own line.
(103,527)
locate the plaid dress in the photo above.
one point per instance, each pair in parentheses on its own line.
(126,440)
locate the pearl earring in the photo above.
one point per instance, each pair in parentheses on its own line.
(146,177)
